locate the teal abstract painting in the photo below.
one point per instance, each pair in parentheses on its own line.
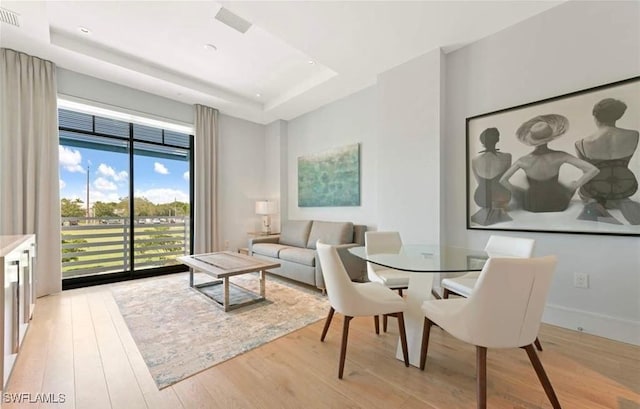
(330,178)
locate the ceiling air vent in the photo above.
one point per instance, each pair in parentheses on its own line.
(9,17)
(232,20)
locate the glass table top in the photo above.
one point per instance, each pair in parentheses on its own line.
(427,258)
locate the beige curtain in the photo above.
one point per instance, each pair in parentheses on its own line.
(205,236)
(29,180)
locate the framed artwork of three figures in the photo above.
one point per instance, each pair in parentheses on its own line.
(568,164)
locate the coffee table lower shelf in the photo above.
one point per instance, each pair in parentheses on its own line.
(233,296)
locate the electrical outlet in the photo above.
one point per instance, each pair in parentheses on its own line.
(226,244)
(581,280)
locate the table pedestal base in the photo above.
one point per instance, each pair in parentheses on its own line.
(419,290)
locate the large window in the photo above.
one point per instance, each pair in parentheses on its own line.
(103,163)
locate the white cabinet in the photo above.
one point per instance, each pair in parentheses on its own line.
(17,269)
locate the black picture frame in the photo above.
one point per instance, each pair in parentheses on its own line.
(560,165)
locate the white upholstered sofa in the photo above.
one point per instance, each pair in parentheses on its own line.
(295,249)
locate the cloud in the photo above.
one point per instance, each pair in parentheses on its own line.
(98,196)
(62,184)
(106,170)
(160,168)
(70,159)
(104,184)
(163,195)
(185,176)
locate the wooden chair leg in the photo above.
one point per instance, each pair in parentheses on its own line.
(481,375)
(445,293)
(426,329)
(376,323)
(542,375)
(403,338)
(384,323)
(538,344)
(326,324)
(343,347)
(435,294)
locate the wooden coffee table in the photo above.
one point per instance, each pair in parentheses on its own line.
(225,264)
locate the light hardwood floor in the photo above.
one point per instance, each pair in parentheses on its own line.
(79,345)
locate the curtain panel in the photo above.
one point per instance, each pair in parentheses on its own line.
(205,235)
(29,171)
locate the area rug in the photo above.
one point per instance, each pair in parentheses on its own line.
(181,332)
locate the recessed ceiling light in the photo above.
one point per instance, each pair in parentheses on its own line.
(258,95)
(210,47)
(311,62)
(84,30)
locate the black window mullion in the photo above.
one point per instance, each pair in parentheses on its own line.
(192,194)
(131,203)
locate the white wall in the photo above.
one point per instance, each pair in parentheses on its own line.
(241,178)
(574,46)
(275,139)
(104,92)
(348,121)
(408,164)
(398,124)
(241,172)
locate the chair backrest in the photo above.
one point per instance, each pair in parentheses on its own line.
(507,303)
(377,242)
(503,246)
(339,287)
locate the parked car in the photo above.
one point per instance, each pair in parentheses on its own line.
(111,221)
(70,222)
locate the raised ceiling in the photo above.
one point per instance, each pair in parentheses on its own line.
(295,57)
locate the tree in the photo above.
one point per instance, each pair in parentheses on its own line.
(123,206)
(181,208)
(164,209)
(102,209)
(143,207)
(71,208)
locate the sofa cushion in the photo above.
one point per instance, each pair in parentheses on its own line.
(298,255)
(330,233)
(268,249)
(295,233)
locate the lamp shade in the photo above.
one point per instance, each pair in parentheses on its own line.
(265,207)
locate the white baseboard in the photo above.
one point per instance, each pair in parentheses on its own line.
(601,325)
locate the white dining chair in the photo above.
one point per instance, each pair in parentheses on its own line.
(356,300)
(503,311)
(497,246)
(377,242)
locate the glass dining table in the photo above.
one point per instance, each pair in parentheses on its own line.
(423,262)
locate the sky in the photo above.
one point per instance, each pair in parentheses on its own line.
(160,180)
